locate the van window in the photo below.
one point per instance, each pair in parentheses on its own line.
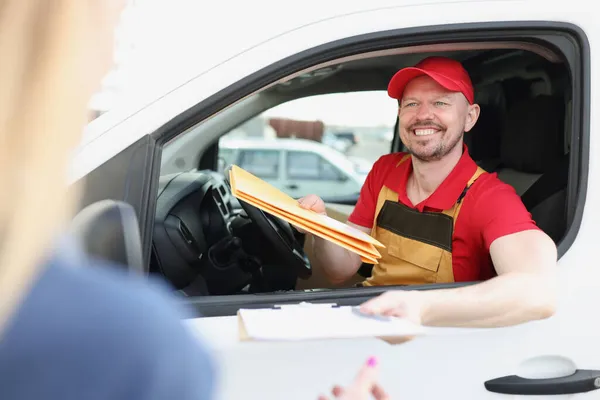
(332,137)
(526,134)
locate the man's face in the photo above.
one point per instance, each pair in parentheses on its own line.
(433,119)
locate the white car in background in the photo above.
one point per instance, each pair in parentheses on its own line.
(297,167)
(336,143)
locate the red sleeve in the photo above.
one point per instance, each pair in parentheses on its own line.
(499,211)
(364,211)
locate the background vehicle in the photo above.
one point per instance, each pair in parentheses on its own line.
(534,76)
(296,166)
(333,141)
(349,137)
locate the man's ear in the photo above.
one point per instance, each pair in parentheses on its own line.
(472,116)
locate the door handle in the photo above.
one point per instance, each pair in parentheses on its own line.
(583,380)
(292,186)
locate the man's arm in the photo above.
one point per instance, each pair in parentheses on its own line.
(337,263)
(524,290)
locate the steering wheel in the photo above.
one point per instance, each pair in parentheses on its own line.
(280,235)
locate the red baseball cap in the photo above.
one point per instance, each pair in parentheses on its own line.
(447,72)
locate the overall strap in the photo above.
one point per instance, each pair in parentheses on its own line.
(476,175)
(480,171)
(404,158)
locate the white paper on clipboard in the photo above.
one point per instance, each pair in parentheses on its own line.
(311,322)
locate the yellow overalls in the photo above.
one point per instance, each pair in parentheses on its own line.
(418,244)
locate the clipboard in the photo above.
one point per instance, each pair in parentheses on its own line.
(307,321)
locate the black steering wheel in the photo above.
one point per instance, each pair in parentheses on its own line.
(280,235)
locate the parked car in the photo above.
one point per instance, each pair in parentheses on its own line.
(534,63)
(349,137)
(334,142)
(296,166)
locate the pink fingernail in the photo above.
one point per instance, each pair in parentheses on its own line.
(372,361)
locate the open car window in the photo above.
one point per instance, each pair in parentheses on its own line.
(323,137)
(329,142)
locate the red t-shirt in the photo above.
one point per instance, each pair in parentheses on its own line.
(491,209)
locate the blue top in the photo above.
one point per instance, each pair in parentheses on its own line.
(88,331)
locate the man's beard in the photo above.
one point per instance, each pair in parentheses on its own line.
(441,148)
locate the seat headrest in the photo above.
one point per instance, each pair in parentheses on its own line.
(533,140)
(109,230)
(491,94)
(483,140)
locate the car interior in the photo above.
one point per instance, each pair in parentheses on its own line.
(206,243)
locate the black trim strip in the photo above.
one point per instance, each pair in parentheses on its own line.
(215,306)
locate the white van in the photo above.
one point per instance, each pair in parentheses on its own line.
(537,81)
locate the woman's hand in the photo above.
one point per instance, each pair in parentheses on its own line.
(363,387)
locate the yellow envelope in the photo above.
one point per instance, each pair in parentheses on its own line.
(365,250)
(261,194)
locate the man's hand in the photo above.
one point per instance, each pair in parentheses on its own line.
(365,384)
(314,203)
(337,263)
(396,303)
(524,290)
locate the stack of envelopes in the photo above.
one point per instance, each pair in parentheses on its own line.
(266,197)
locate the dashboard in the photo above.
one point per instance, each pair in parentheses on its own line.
(204,243)
(193,212)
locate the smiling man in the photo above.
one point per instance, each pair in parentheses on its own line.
(442,218)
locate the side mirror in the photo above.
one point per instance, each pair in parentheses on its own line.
(109,229)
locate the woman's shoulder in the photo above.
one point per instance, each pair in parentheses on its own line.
(105,292)
(91,320)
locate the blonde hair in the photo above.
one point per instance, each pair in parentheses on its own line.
(44,92)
